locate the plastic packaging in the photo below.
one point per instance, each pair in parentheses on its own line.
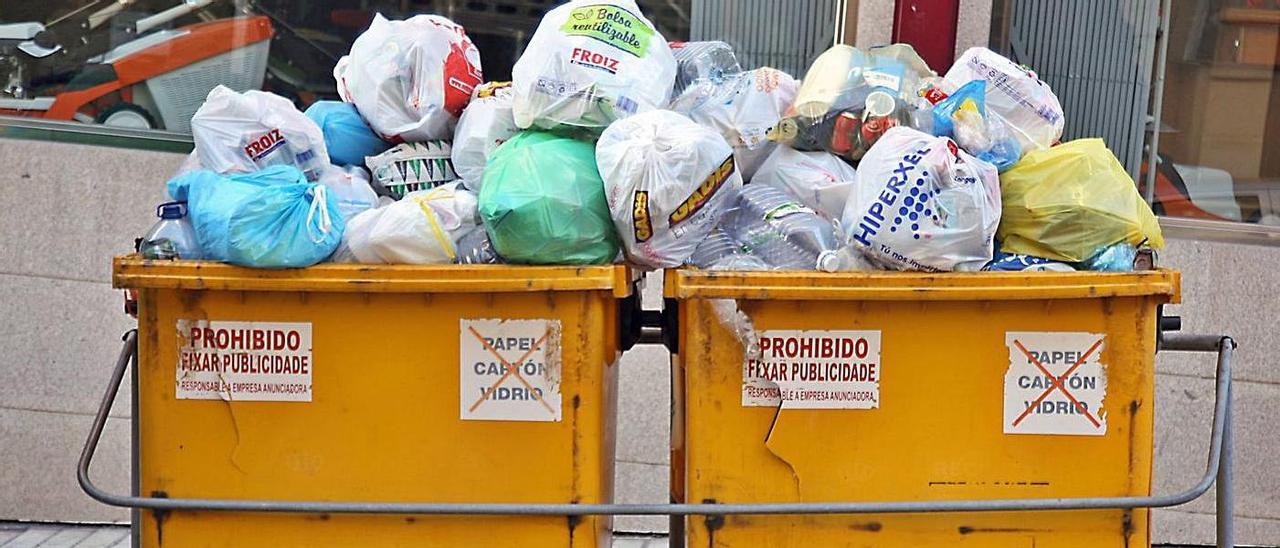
(543,202)
(743,107)
(421,228)
(1015,95)
(963,116)
(346,135)
(786,235)
(667,181)
(410,79)
(1113,258)
(475,247)
(485,124)
(1069,202)
(820,180)
(703,60)
(591,62)
(410,167)
(719,251)
(921,203)
(350,188)
(172,237)
(272,218)
(245,132)
(1010,262)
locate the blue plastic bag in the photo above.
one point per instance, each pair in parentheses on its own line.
(272,218)
(346,135)
(1113,258)
(963,117)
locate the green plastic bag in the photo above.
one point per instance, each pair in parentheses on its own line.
(543,202)
(1069,202)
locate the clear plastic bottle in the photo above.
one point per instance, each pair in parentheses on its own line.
(778,229)
(172,237)
(474,247)
(711,59)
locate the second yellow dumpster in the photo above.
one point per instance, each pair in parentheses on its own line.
(810,387)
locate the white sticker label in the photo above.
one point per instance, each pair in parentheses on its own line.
(1055,384)
(814,370)
(244,361)
(510,370)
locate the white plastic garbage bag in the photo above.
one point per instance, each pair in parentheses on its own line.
(820,180)
(485,124)
(350,187)
(410,79)
(422,228)
(743,107)
(591,62)
(667,181)
(921,203)
(1015,95)
(246,132)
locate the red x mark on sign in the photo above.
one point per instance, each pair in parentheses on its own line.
(510,370)
(1058,383)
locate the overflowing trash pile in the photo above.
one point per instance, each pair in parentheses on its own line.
(612,145)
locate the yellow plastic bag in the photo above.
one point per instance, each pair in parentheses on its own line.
(1068,202)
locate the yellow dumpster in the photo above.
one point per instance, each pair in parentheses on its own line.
(385,384)
(811,387)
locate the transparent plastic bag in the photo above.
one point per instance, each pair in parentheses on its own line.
(410,79)
(1069,202)
(667,181)
(702,60)
(921,203)
(1015,95)
(246,132)
(350,188)
(820,180)
(486,123)
(422,228)
(743,108)
(591,62)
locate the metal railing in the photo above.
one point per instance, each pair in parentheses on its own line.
(1219,469)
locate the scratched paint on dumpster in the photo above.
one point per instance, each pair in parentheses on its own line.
(1055,384)
(243,361)
(509,370)
(814,370)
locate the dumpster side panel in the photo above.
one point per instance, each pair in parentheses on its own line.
(938,432)
(383,424)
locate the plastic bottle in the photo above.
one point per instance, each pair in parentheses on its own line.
(172,237)
(710,59)
(474,247)
(785,234)
(826,79)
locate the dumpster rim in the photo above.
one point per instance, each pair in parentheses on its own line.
(687,283)
(133,272)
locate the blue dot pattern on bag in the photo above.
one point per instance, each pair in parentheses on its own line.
(915,205)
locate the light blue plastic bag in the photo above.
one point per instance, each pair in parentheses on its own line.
(983,135)
(346,135)
(272,218)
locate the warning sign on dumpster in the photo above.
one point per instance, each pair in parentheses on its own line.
(814,370)
(244,361)
(1055,384)
(509,370)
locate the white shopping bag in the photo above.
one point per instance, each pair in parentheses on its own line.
(591,62)
(421,228)
(246,132)
(485,124)
(667,181)
(921,203)
(1015,95)
(820,180)
(410,79)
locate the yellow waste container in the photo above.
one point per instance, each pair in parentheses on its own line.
(862,387)
(375,383)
